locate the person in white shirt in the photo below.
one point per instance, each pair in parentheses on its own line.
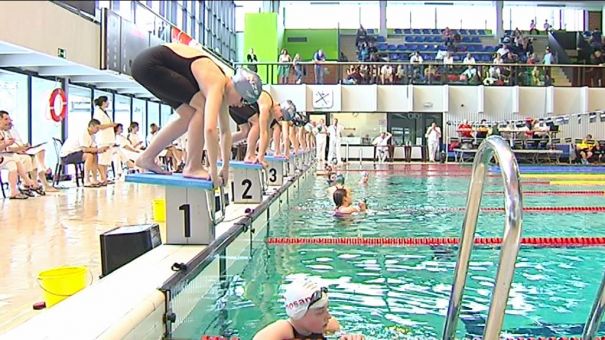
(448,59)
(133,136)
(335,133)
(82,147)
(433,134)
(105,137)
(416,58)
(382,145)
(469,59)
(125,155)
(321,133)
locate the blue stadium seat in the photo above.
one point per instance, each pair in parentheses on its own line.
(463,32)
(481,32)
(413,47)
(380,38)
(457,57)
(393,57)
(398,31)
(401,47)
(466,39)
(435,31)
(370,31)
(382,46)
(472,32)
(392,47)
(407,31)
(416,31)
(508,32)
(408,39)
(426,31)
(476,40)
(433,47)
(471,48)
(404,57)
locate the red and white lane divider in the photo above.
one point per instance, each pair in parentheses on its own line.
(436,241)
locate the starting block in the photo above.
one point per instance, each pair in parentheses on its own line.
(191,211)
(249,183)
(278,169)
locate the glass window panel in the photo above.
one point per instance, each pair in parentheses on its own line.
(165,113)
(155,6)
(122,110)
(361,124)
(138,115)
(13,99)
(344,15)
(45,128)
(466,16)
(179,16)
(423,16)
(144,18)
(79,106)
(398,16)
(573,19)
(153,116)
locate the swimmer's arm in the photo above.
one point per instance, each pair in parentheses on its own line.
(263,121)
(214,100)
(226,142)
(279,330)
(285,133)
(333,326)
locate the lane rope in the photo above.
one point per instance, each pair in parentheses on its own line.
(436,241)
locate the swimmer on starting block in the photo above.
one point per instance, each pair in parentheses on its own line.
(200,92)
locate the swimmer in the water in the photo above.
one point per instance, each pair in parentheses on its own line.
(336,182)
(364,178)
(344,203)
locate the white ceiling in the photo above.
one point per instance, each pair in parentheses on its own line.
(16,56)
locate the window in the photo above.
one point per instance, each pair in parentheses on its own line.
(79,109)
(343,15)
(165,114)
(468,17)
(359,125)
(45,128)
(122,110)
(138,115)
(153,116)
(13,99)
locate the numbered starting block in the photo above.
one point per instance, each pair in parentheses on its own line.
(191,207)
(291,164)
(248,183)
(300,160)
(278,168)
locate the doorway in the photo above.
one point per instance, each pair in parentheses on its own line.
(409,128)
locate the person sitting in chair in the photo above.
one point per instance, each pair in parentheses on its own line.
(587,148)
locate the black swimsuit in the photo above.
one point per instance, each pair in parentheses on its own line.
(166,75)
(242,114)
(312,336)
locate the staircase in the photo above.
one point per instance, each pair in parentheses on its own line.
(558,76)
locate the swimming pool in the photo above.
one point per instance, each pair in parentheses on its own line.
(398,292)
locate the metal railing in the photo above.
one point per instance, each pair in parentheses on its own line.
(596,314)
(429,73)
(513,205)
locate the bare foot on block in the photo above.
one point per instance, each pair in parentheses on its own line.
(149,164)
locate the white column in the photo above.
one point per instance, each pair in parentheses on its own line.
(499,4)
(383,18)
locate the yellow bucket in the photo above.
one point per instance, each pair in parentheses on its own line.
(159,210)
(61,283)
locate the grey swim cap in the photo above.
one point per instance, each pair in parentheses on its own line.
(288,110)
(247,84)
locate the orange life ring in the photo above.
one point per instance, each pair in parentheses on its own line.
(53,97)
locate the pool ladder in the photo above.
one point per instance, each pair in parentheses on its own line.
(596,314)
(513,205)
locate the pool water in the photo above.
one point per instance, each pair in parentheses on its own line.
(400,292)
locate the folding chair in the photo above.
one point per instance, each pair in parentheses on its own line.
(61,165)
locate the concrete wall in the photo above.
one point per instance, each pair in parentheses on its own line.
(46,27)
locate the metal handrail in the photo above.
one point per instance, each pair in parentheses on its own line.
(596,314)
(513,205)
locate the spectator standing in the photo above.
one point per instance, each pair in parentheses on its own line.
(283,70)
(251,58)
(319,58)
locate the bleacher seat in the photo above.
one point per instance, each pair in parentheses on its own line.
(382,46)
(398,31)
(380,38)
(416,31)
(407,31)
(436,31)
(370,31)
(481,32)
(463,32)
(426,31)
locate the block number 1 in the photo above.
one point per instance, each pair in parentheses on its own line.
(186,208)
(248,184)
(273,173)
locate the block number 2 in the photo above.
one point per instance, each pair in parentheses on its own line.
(186,208)
(248,184)
(273,173)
